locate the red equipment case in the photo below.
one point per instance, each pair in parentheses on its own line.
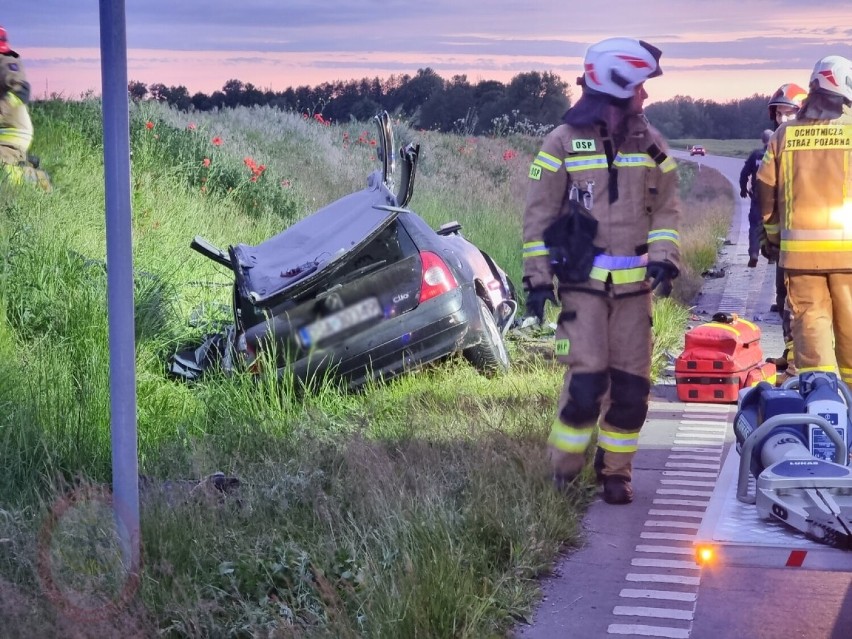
(719,358)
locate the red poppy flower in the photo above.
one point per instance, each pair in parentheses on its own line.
(191,126)
(217,141)
(149,125)
(205,163)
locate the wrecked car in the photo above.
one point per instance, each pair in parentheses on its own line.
(361,289)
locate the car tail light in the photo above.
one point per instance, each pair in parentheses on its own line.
(250,350)
(436,278)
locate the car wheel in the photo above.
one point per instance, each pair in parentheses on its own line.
(489,356)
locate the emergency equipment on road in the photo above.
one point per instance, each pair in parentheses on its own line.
(719,359)
(784,497)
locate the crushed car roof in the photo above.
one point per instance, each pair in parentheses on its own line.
(300,253)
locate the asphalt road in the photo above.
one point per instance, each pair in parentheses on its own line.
(636,576)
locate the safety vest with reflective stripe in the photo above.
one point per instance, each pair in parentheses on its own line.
(635,201)
(16,128)
(805,191)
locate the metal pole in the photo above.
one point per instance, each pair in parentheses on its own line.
(122,343)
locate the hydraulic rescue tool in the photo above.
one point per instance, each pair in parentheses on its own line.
(794,441)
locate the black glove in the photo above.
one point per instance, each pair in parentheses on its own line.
(536,297)
(743,193)
(770,251)
(660,272)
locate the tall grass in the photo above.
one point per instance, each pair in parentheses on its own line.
(417,507)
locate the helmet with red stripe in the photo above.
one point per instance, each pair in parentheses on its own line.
(616,66)
(833,74)
(787,95)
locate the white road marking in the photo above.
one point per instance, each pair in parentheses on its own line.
(687,482)
(684,525)
(663,579)
(665,563)
(692,465)
(689,473)
(683,493)
(681,502)
(666,536)
(656,613)
(673,595)
(647,631)
(665,550)
(697,514)
(705,435)
(699,407)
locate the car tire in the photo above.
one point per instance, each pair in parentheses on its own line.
(489,356)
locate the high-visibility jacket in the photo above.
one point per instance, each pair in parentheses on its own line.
(16,128)
(635,202)
(805,187)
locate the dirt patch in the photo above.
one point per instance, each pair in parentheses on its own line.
(710,185)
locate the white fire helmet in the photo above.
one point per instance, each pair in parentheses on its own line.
(616,66)
(833,74)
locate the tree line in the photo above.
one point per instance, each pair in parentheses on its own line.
(531,102)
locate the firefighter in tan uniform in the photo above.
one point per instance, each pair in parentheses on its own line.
(805,186)
(783,106)
(602,215)
(16,129)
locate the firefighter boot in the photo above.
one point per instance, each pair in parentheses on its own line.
(565,466)
(614,471)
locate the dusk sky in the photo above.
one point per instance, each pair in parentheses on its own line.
(713,49)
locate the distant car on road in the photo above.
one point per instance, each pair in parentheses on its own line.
(697,150)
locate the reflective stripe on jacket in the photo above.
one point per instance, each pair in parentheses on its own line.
(640,225)
(16,128)
(805,186)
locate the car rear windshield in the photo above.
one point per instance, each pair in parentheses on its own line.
(389,247)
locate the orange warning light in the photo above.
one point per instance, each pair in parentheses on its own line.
(704,555)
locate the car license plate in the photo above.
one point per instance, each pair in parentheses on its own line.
(338,322)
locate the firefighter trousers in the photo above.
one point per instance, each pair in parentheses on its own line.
(606,343)
(821,305)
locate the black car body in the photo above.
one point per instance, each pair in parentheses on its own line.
(363,288)
(697,150)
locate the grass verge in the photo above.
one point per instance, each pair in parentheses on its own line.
(419,507)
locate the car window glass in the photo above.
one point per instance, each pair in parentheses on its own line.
(390,246)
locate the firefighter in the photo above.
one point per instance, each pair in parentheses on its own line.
(804,192)
(755,221)
(783,106)
(602,215)
(16,129)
